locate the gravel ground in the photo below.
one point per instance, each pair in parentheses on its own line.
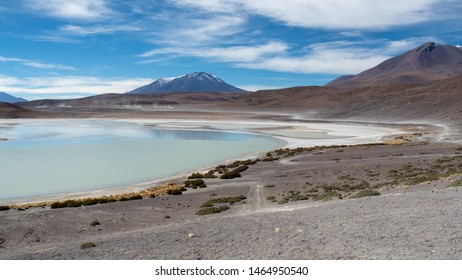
(421,221)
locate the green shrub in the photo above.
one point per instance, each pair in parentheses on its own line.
(327,196)
(457,183)
(230,175)
(87,245)
(271,198)
(174,192)
(195,184)
(267,159)
(292,197)
(90,201)
(206,204)
(229,199)
(103,200)
(196,176)
(66,203)
(365,193)
(210,174)
(211,210)
(95,223)
(241,168)
(4,208)
(268,186)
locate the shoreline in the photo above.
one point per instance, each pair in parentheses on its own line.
(294,221)
(381,133)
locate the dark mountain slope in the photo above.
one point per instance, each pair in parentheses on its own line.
(423,64)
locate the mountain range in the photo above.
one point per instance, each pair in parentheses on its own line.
(8,98)
(428,62)
(422,84)
(194,82)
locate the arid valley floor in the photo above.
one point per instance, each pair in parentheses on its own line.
(397,200)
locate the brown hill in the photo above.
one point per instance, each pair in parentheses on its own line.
(8,110)
(113,100)
(438,100)
(423,64)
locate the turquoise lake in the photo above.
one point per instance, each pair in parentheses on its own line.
(68,156)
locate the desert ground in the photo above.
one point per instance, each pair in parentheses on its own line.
(393,200)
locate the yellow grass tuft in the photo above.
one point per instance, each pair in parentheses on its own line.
(151,192)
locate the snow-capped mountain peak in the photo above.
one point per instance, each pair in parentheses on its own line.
(193,82)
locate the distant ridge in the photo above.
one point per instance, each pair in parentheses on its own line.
(9,110)
(8,98)
(428,62)
(194,82)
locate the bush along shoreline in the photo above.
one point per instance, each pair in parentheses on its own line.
(195,180)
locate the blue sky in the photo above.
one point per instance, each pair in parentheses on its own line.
(63,49)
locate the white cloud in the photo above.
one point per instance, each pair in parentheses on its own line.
(52,38)
(408,44)
(326,63)
(208,29)
(226,54)
(337,14)
(91,30)
(194,29)
(83,85)
(36,64)
(81,9)
(210,5)
(329,58)
(7,80)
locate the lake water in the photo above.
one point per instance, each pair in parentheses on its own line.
(66,156)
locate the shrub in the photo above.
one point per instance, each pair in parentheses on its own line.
(196,176)
(268,186)
(365,193)
(210,174)
(235,173)
(4,208)
(211,210)
(229,199)
(90,201)
(457,183)
(87,245)
(267,159)
(327,196)
(271,198)
(174,192)
(195,184)
(103,200)
(292,197)
(95,223)
(241,168)
(206,204)
(66,203)
(230,175)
